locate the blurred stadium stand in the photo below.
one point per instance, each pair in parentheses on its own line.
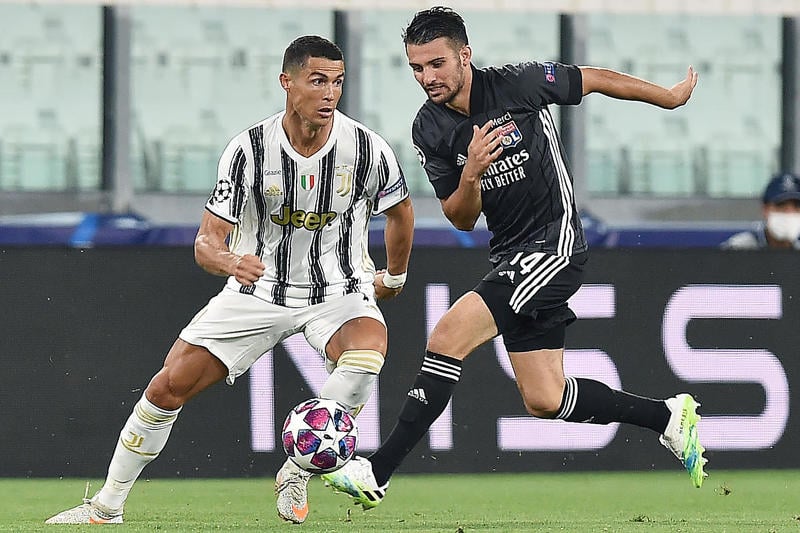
(87,230)
(201,73)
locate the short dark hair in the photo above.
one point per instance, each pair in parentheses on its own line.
(433,23)
(298,52)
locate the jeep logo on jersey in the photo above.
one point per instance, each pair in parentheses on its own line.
(344,173)
(307,181)
(303,219)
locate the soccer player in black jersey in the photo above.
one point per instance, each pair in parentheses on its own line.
(489,144)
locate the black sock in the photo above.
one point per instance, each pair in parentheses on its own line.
(586,400)
(426,400)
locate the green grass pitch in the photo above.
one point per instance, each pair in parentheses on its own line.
(642,502)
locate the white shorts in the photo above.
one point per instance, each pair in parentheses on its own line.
(239,328)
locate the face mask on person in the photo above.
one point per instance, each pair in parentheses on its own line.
(784,226)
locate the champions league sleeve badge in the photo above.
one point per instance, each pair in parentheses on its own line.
(549,72)
(221,192)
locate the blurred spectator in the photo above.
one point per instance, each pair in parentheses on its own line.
(780,227)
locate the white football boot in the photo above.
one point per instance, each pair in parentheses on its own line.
(89,512)
(681,438)
(291,487)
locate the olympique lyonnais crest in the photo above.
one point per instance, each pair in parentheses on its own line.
(511,136)
(307,181)
(508,130)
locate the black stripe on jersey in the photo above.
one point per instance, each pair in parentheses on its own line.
(257,144)
(324,202)
(283,252)
(383,172)
(236,172)
(362,168)
(363,164)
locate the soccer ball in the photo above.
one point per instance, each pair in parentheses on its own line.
(319,435)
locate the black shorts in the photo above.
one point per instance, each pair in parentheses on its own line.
(527,295)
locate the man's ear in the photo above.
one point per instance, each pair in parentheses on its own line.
(465,55)
(285,81)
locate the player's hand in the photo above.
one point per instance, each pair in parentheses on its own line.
(483,149)
(383,292)
(248,269)
(682,90)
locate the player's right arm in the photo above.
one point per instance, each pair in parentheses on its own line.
(223,209)
(463,207)
(212,253)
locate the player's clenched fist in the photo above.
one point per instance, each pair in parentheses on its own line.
(382,292)
(248,269)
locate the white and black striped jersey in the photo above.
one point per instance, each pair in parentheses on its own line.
(307,218)
(527,193)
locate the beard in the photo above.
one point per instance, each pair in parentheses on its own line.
(444,93)
(441,95)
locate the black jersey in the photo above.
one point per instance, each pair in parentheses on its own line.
(527,193)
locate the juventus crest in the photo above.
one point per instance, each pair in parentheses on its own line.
(344,179)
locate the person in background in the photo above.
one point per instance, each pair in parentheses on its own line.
(780,227)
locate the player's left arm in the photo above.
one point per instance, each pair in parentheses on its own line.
(626,87)
(398,235)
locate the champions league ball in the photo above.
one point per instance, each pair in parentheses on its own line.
(319,435)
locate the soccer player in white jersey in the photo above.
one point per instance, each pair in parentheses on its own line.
(287,223)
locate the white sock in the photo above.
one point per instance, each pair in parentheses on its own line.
(352,380)
(141,440)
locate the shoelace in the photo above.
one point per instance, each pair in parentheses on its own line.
(99,512)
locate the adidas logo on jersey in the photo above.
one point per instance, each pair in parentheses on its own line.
(419,395)
(461,160)
(273,190)
(507,273)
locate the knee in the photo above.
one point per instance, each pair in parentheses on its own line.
(443,342)
(164,392)
(436,344)
(357,334)
(542,406)
(456,338)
